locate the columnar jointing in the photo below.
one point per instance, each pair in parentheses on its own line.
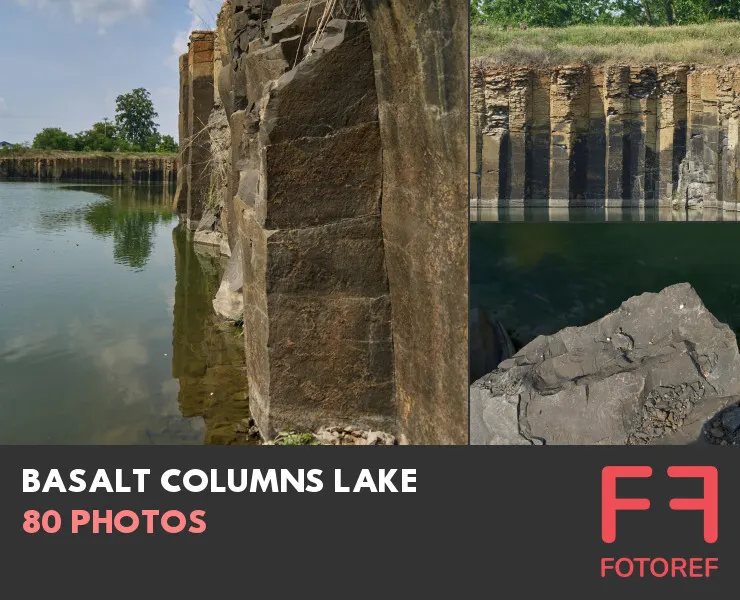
(107,168)
(200,104)
(183,129)
(299,151)
(614,136)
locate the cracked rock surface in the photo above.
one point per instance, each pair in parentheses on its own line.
(661,369)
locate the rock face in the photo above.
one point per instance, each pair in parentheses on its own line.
(229,301)
(200,105)
(307,159)
(180,205)
(420,51)
(316,294)
(62,166)
(653,371)
(614,136)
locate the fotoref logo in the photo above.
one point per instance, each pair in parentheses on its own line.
(616,510)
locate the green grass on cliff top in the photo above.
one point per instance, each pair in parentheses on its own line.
(711,44)
(32,153)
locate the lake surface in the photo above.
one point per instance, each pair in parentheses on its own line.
(107,331)
(539,277)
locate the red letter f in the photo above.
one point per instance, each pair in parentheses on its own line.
(610,504)
(708,504)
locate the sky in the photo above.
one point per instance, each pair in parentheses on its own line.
(64,62)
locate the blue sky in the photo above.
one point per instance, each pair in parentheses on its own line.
(63,62)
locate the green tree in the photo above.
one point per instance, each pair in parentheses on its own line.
(101,138)
(135,120)
(561,13)
(168,144)
(53,138)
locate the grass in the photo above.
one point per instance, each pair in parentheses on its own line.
(32,153)
(710,44)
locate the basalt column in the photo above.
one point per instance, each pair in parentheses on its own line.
(317,310)
(420,50)
(539,159)
(569,114)
(617,87)
(520,142)
(495,143)
(672,106)
(728,86)
(711,134)
(595,141)
(643,136)
(183,128)
(477,122)
(200,104)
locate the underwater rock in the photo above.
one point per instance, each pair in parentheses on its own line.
(489,343)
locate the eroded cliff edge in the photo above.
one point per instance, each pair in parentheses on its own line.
(612,135)
(331,169)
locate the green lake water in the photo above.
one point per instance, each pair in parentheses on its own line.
(539,277)
(107,332)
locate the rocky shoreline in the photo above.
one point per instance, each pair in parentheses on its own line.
(325,436)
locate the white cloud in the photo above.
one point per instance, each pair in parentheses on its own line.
(202,16)
(3,105)
(103,12)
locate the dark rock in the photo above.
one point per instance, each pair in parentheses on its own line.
(289,20)
(489,343)
(579,387)
(420,52)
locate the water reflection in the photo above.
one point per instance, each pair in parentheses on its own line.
(128,214)
(107,332)
(208,354)
(508,213)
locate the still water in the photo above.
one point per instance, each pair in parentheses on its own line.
(107,332)
(539,277)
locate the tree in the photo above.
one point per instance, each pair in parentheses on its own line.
(101,138)
(53,138)
(135,116)
(168,144)
(562,13)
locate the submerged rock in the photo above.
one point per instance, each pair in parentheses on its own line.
(229,300)
(651,372)
(489,343)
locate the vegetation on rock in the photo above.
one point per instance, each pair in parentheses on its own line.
(710,44)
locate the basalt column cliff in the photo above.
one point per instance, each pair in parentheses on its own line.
(615,135)
(330,166)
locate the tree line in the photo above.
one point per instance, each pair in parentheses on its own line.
(562,13)
(133,130)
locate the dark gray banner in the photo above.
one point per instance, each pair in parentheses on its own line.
(482,521)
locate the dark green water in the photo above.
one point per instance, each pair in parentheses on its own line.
(539,277)
(107,332)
